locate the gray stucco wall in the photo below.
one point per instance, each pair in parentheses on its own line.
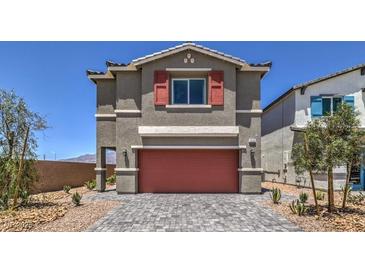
(105,101)
(128,90)
(277,140)
(160,116)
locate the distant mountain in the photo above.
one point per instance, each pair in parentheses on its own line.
(91,158)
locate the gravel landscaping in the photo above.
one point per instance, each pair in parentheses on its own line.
(54,211)
(350,219)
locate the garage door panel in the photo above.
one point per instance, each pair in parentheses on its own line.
(188,171)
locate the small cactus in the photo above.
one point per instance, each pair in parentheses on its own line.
(111,180)
(90,185)
(76,199)
(320,195)
(298,208)
(275,195)
(67,189)
(303,197)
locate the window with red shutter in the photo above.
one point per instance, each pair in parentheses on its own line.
(216,88)
(161,88)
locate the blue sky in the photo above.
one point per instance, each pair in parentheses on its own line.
(51,77)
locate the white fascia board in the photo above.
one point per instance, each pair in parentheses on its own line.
(187,147)
(188,131)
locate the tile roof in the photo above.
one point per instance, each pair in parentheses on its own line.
(94,72)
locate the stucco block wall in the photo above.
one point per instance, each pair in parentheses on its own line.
(53,175)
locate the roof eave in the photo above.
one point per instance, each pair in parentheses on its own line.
(129,67)
(95,76)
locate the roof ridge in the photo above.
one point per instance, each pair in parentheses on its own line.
(188,44)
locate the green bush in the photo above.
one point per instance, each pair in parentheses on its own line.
(90,184)
(275,195)
(111,180)
(76,198)
(298,208)
(303,197)
(66,188)
(320,195)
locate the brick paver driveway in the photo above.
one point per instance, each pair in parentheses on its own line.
(189,212)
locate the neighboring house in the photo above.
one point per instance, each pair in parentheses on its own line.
(185,119)
(285,116)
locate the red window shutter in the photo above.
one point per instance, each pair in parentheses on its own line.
(216,88)
(161,88)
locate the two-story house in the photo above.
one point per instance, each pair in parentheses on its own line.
(185,119)
(283,119)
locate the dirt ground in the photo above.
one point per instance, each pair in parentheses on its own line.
(54,211)
(350,219)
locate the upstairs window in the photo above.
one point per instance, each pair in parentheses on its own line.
(188,91)
(327,105)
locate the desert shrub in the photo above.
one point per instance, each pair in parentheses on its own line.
(91,184)
(76,198)
(303,197)
(18,144)
(275,195)
(320,195)
(67,188)
(111,180)
(298,208)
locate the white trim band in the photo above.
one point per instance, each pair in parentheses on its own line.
(99,169)
(187,147)
(188,131)
(251,169)
(188,106)
(106,115)
(126,169)
(127,111)
(249,111)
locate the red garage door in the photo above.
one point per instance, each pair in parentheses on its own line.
(188,171)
